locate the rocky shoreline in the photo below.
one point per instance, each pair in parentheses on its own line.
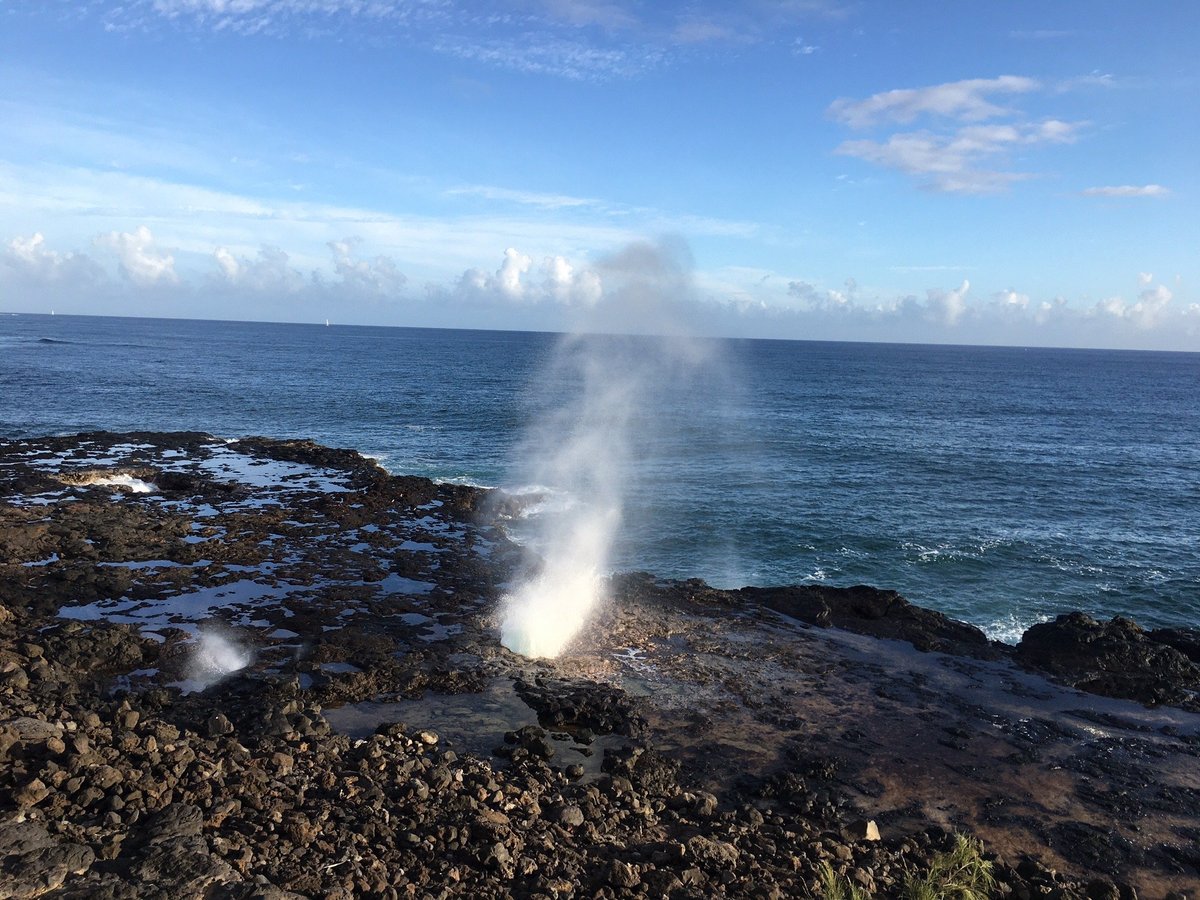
(376,740)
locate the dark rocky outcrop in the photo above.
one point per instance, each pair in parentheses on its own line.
(879,613)
(1115,659)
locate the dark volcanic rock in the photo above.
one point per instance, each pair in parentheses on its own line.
(1185,640)
(695,744)
(876,612)
(1115,659)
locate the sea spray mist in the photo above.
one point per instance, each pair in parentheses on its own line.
(214,654)
(598,403)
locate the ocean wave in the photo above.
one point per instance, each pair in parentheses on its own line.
(1009,629)
(118,479)
(465,481)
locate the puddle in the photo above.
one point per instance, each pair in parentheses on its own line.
(398,584)
(155,564)
(432,629)
(190,607)
(340,668)
(255,472)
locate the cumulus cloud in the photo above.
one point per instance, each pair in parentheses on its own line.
(1127,190)
(379,275)
(940,307)
(963,100)
(947,307)
(569,285)
(1148,311)
(812,298)
(269,272)
(138,257)
(30,259)
(556,280)
(1011,301)
(1154,318)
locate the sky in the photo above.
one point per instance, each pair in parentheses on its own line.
(1015,172)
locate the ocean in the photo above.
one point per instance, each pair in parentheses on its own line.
(1001,486)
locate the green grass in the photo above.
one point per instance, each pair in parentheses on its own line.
(960,873)
(835,887)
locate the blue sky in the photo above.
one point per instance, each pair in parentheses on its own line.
(1017,173)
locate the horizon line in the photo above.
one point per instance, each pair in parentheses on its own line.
(325,323)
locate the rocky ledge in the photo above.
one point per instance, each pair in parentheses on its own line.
(270,669)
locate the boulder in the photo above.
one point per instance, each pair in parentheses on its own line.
(1114,659)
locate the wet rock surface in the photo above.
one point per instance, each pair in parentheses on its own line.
(270,669)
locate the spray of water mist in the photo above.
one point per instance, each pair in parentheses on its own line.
(214,655)
(595,395)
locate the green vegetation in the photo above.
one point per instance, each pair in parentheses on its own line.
(835,887)
(960,873)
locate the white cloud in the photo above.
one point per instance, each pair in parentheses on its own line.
(569,285)
(379,275)
(525,198)
(1148,311)
(508,277)
(1011,301)
(558,281)
(812,298)
(270,272)
(551,54)
(959,152)
(947,307)
(955,162)
(589,40)
(643,287)
(250,17)
(1127,190)
(961,100)
(72,203)
(140,260)
(30,259)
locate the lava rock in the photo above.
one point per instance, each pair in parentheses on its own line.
(1114,659)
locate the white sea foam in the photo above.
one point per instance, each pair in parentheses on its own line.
(122,480)
(1008,629)
(465,481)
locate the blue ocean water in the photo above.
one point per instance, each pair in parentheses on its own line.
(999,485)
